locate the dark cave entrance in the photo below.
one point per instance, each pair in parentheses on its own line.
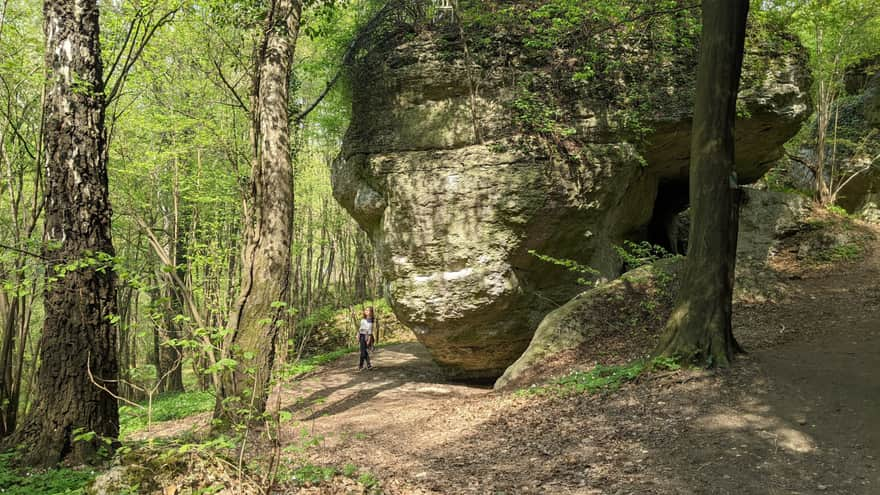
(669,225)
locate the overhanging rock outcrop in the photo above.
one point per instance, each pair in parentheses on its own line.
(460,164)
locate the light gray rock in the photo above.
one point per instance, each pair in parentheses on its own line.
(765,218)
(870,211)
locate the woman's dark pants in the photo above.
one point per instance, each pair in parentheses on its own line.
(365,356)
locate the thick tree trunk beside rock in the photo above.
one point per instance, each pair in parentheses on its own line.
(699,329)
(78,337)
(265,274)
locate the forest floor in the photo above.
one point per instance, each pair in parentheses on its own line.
(798,414)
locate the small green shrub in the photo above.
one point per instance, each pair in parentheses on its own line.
(309,473)
(368,480)
(839,211)
(636,254)
(570,265)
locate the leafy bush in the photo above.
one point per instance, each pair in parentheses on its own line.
(368,480)
(312,474)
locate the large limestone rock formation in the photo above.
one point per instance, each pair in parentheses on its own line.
(458,169)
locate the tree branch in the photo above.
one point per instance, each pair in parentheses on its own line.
(22,251)
(135,54)
(346,60)
(229,86)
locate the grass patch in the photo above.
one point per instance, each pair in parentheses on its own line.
(49,482)
(599,379)
(166,407)
(308,364)
(309,474)
(843,252)
(176,405)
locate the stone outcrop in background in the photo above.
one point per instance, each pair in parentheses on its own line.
(862,194)
(444,168)
(858,132)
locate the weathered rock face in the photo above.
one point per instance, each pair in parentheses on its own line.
(438,168)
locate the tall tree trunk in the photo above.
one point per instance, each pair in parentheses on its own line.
(78,336)
(699,329)
(265,270)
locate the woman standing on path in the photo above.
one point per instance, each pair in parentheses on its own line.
(365,337)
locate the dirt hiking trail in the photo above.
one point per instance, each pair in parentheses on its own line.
(799,414)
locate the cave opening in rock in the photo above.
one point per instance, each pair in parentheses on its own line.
(669,223)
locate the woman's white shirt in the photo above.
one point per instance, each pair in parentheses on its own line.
(366,327)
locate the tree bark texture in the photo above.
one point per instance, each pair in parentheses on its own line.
(699,329)
(77,333)
(266,255)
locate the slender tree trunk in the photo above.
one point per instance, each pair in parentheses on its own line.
(822,190)
(156,311)
(24,326)
(699,329)
(171,356)
(307,306)
(78,338)
(265,273)
(8,401)
(122,330)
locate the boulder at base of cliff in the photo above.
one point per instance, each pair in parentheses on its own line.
(611,324)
